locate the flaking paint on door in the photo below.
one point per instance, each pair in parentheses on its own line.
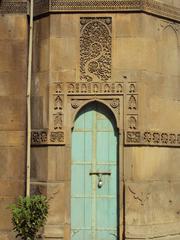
(94,159)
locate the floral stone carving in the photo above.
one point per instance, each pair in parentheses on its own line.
(95,48)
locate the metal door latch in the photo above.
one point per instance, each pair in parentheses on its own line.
(99,175)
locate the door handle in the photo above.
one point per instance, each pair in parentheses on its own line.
(100,173)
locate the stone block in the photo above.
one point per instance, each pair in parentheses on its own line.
(64,26)
(13,54)
(13,27)
(39,163)
(64,53)
(11,188)
(12,138)
(12,163)
(13,83)
(5,215)
(12,113)
(152,164)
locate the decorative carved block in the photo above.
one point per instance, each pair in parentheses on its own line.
(132,103)
(132,122)
(133,137)
(57,137)
(46,137)
(95,48)
(39,137)
(58,120)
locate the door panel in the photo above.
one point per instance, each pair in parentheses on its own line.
(94,151)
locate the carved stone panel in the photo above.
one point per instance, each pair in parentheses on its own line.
(46,137)
(95,48)
(131,106)
(152,138)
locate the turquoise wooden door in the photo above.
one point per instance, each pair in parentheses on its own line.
(94,175)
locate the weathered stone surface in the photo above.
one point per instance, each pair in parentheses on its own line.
(145,51)
(13,74)
(145,56)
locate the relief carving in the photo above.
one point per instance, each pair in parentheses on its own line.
(178,138)
(172,138)
(164,138)
(95,48)
(75,103)
(133,137)
(147,137)
(38,137)
(58,121)
(45,136)
(94,88)
(58,103)
(57,137)
(152,138)
(132,122)
(132,88)
(114,103)
(156,137)
(132,104)
(59,88)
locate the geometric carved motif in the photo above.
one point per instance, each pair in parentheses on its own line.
(149,6)
(44,137)
(152,138)
(45,6)
(95,88)
(9,6)
(95,48)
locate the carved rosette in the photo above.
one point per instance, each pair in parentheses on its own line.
(95,48)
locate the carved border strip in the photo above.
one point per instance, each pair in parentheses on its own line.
(46,137)
(45,6)
(94,88)
(152,138)
(7,7)
(147,6)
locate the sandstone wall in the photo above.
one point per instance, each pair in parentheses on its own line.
(13,75)
(145,50)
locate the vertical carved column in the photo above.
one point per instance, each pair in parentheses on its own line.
(56,134)
(131,108)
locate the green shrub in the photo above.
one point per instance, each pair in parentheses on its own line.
(29,215)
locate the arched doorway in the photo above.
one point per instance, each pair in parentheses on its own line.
(94,205)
